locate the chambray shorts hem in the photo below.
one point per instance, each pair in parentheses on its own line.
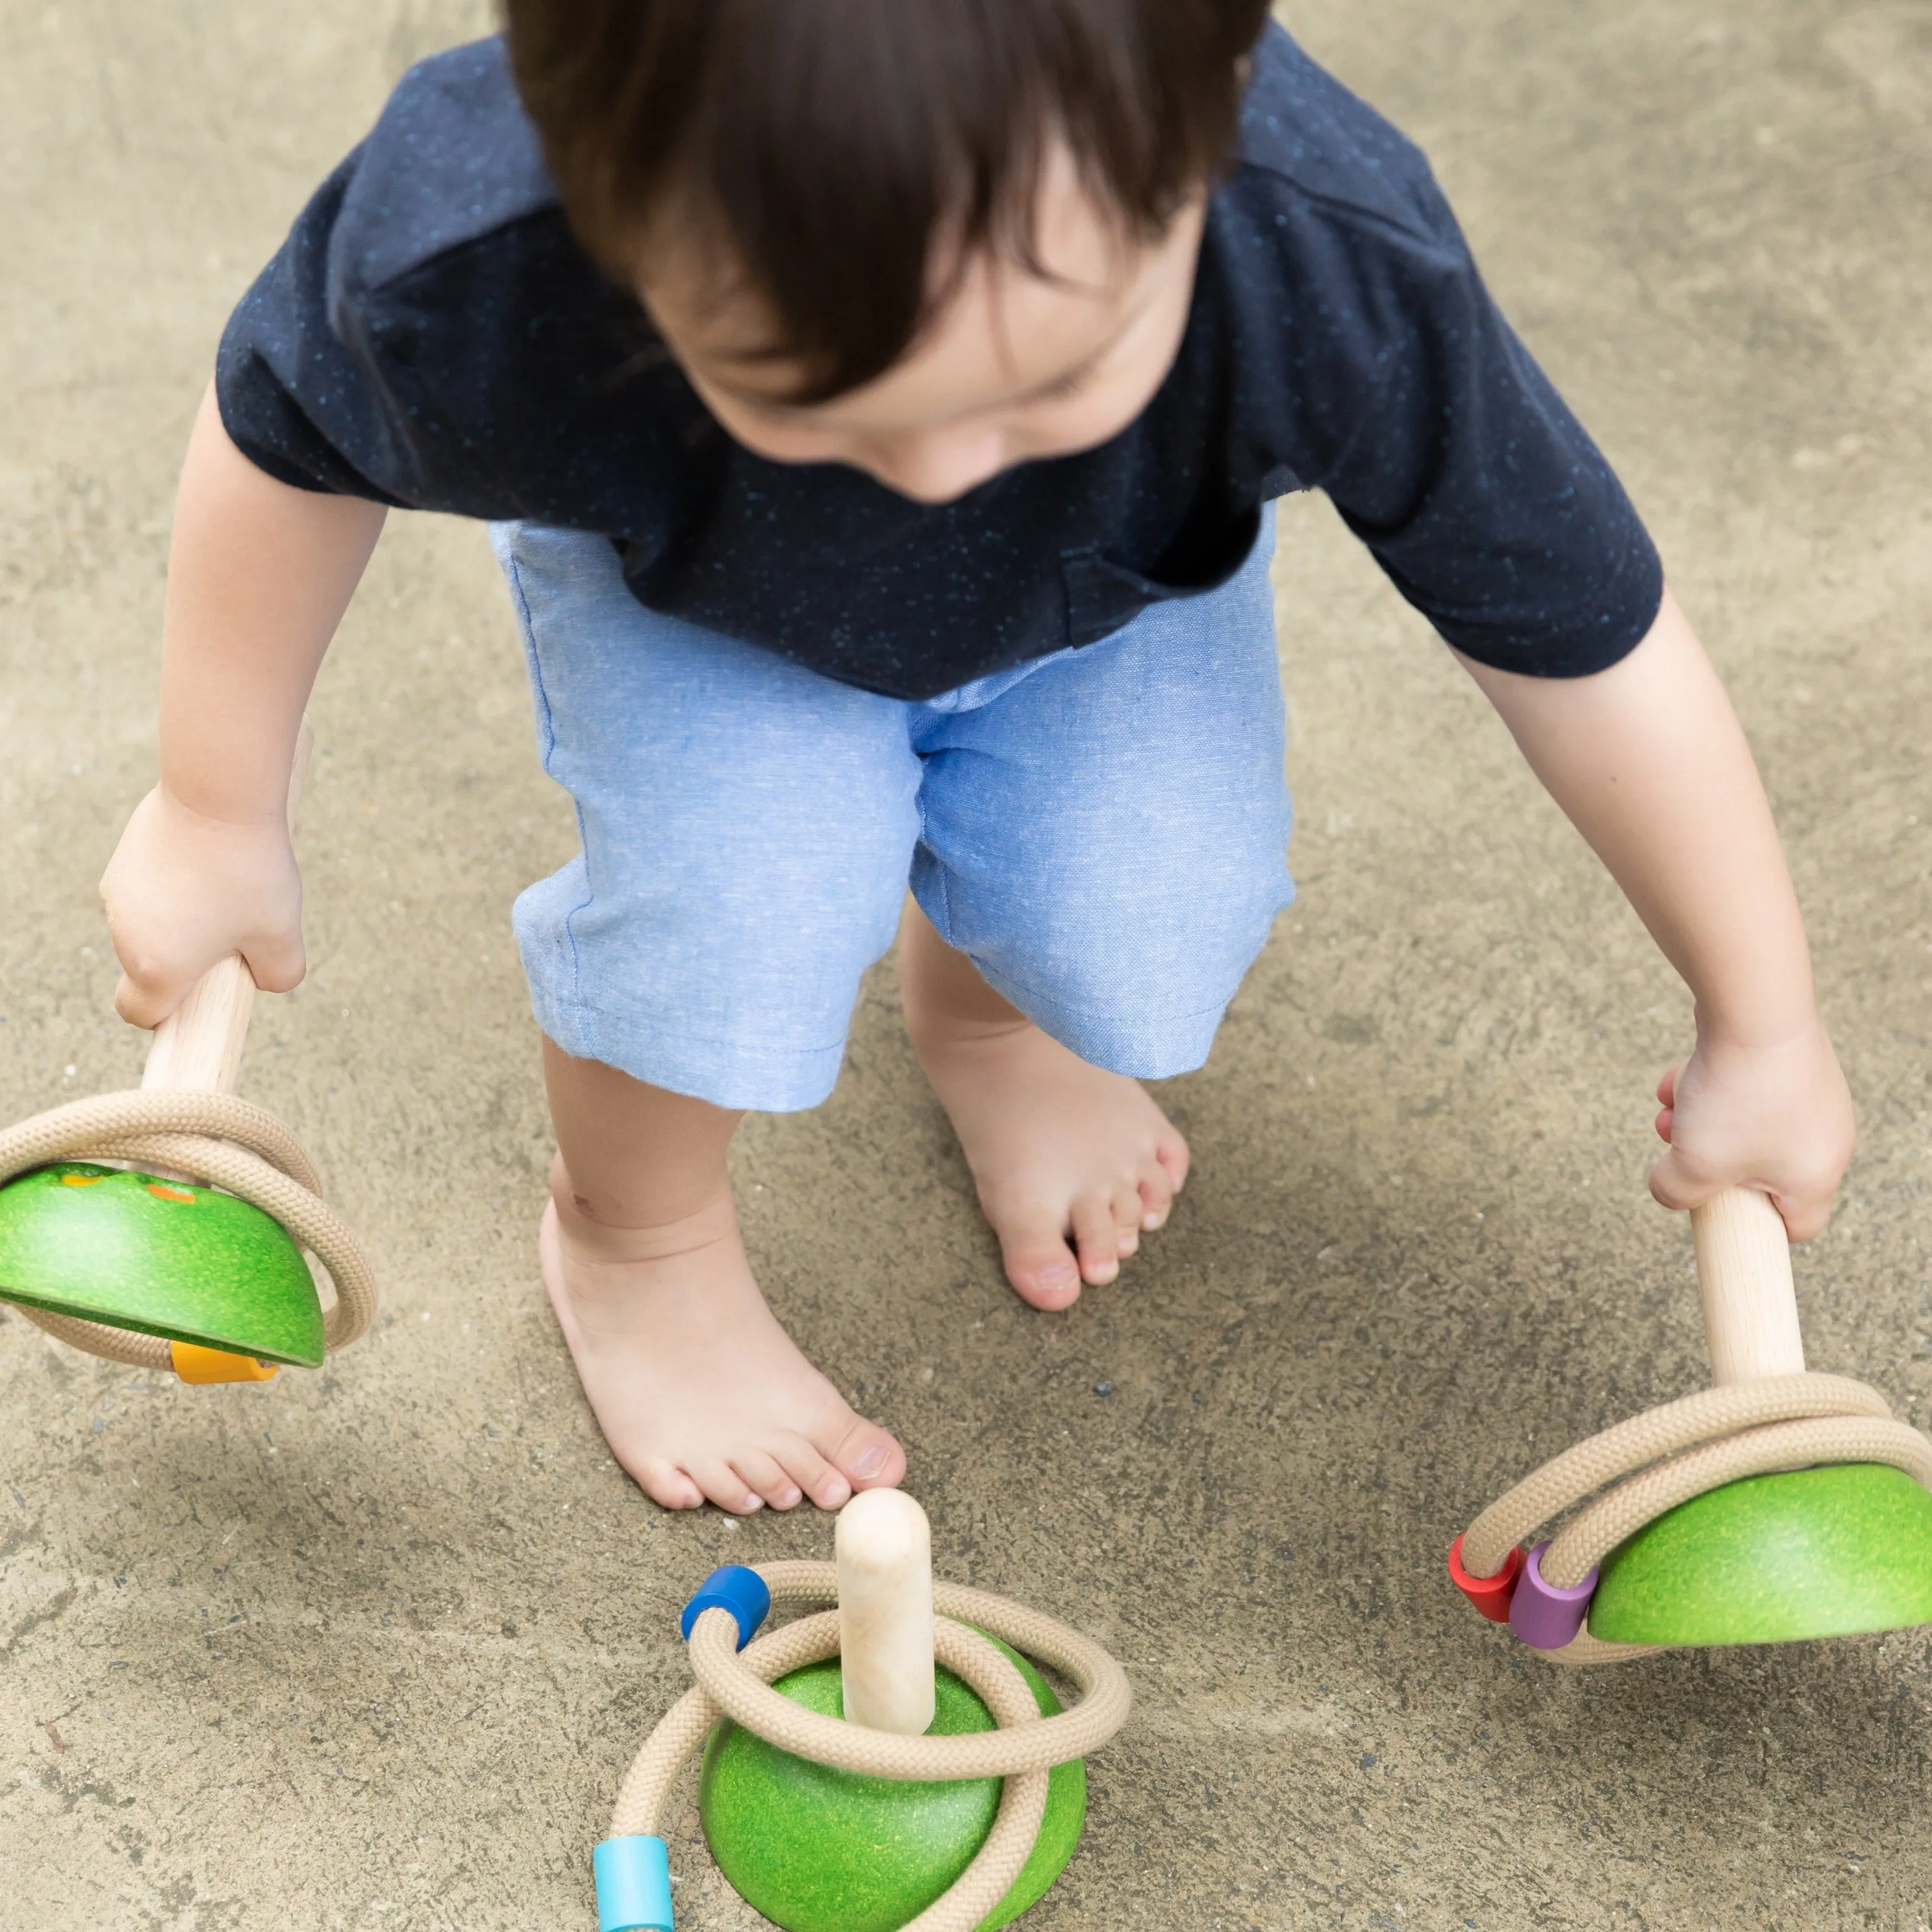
(656,1047)
(1103,832)
(1144,1045)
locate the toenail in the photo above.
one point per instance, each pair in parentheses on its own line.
(871,1462)
(1058,1275)
(838,1493)
(1153,1221)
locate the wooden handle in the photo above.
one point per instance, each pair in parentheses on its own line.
(199,1045)
(1744,1273)
(884,1548)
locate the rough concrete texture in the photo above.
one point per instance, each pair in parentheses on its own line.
(370,1649)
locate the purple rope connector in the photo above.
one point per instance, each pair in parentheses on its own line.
(1543,1616)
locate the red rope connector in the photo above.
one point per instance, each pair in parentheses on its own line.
(1490,1595)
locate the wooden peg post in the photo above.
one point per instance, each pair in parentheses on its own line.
(1744,1272)
(883,1549)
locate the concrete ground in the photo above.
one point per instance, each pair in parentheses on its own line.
(370,1649)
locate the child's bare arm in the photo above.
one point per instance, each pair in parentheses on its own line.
(258,575)
(1650,764)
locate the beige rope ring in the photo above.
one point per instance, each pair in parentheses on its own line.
(1613,1519)
(736,1683)
(231,1143)
(1639,1470)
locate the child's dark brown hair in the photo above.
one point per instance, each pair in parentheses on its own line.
(824,143)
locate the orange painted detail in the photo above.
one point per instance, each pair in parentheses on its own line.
(194,1363)
(82,1180)
(162,1192)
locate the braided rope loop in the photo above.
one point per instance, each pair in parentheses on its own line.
(737,1684)
(1627,1476)
(229,1142)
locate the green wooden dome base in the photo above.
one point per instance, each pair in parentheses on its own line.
(1771,1559)
(819,1850)
(189,1263)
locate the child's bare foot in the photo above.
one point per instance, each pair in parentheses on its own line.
(699,1392)
(1073,1165)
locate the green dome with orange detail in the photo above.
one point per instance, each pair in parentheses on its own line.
(163,1257)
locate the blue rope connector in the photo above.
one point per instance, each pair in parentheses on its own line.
(633,1885)
(735,1589)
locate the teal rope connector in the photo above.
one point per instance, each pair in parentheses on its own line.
(633,1885)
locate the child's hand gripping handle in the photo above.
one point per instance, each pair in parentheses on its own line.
(198,1045)
(1744,1272)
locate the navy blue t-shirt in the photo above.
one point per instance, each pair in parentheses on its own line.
(432,334)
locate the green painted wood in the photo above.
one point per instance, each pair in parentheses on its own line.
(819,1850)
(1770,1559)
(188,1264)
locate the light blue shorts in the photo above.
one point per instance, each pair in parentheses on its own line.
(1103,832)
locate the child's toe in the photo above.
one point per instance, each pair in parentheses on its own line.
(668,1487)
(1156,1194)
(762,1474)
(724,1486)
(813,1474)
(1170,1150)
(1095,1240)
(1040,1264)
(869,1458)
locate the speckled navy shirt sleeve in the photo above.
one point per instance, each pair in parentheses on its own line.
(287,384)
(1480,495)
(1397,388)
(431,334)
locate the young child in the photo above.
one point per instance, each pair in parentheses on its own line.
(879,403)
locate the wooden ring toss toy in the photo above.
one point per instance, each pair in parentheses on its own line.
(1778,1504)
(154,1266)
(861,1822)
